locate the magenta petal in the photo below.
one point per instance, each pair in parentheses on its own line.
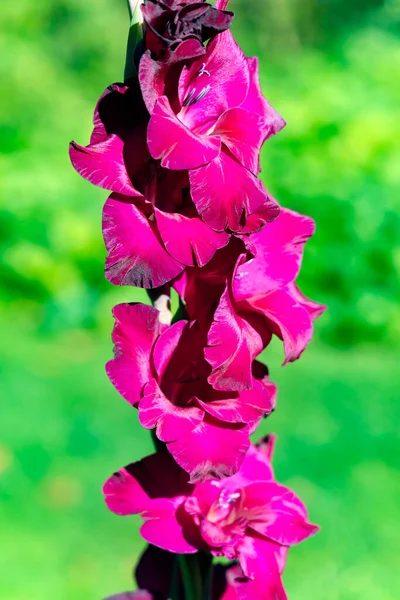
(225,193)
(137,326)
(136,255)
(259,561)
(211,450)
(291,320)
(189,240)
(170,141)
(172,422)
(103,165)
(221,4)
(166,346)
(255,467)
(271,121)
(278,252)
(277,513)
(314,309)
(242,133)
(232,345)
(124,495)
(162,528)
(152,79)
(227,82)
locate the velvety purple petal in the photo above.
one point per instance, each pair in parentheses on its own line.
(136,329)
(154,571)
(242,133)
(226,82)
(172,422)
(278,252)
(212,450)
(170,141)
(103,165)
(232,345)
(288,319)
(136,256)
(225,194)
(104,113)
(189,240)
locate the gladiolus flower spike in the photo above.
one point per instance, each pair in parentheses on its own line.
(177,146)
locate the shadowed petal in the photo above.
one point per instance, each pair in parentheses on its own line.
(232,345)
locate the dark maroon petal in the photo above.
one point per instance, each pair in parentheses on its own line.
(155,570)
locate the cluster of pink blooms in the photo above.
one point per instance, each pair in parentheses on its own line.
(178,147)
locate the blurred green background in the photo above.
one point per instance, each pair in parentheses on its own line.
(331,68)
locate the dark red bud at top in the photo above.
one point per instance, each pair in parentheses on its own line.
(172,22)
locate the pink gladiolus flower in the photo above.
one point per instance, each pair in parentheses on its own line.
(151,228)
(161,370)
(216,133)
(254,300)
(176,29)
(248,517)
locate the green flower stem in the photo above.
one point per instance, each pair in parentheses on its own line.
(135,37)
(191,576)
